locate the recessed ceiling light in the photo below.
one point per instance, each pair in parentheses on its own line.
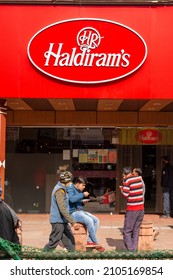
(157,104)
(151,109)
(62,103)
(63,108)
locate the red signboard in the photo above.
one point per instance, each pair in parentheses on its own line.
(120,29)
(95,50)
(149,136)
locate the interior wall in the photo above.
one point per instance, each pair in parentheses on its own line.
(25,192)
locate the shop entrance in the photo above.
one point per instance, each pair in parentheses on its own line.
(96,153)
(149,176)
(39,152)
(144,157)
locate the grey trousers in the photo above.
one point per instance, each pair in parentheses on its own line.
(166,203)
(132,222)
(61,232)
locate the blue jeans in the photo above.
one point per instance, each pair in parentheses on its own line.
(91,222)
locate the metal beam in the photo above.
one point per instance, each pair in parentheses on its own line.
(91,2)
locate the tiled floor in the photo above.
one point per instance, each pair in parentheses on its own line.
(36,229)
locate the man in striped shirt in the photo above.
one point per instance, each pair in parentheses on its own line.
(132,190)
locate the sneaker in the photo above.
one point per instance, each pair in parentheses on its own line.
(165,216)
(91,243)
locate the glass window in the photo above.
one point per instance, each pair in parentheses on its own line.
(33,156)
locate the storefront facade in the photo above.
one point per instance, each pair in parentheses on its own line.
(112,53)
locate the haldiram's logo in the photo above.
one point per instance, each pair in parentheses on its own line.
(148,136)
(87,51)
(88,38)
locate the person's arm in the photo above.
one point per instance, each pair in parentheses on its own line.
(143,186)
(125,189)
(73,196)
(60,198)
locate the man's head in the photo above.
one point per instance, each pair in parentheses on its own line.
(137,171)
(126,171)
(80,183)
(65,177)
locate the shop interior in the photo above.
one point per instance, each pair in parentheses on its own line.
(34,155)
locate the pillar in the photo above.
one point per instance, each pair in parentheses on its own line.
(3,112)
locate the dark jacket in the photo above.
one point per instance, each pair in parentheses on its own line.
(7,227)
(167,177)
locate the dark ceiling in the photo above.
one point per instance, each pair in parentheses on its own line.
(162,105)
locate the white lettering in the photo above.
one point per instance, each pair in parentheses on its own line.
(56,57)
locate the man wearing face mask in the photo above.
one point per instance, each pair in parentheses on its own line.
(59,215)
(77,197)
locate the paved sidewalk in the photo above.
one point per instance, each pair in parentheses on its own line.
(36,230)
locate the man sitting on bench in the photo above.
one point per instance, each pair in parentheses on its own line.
(77,199)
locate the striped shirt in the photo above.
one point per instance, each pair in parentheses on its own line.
(132,189)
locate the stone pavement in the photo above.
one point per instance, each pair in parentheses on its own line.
(36,230)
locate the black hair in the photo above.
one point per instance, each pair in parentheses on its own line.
(127,170)
(80,180)
(138,170)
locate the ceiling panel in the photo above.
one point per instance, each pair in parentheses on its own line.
(62,104)
(17,104)
(132,105)
(85,104)
(109,104)
(168,107)
(39,104)
(157,105)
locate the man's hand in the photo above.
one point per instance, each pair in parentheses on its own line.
(86,194)
(75,226)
